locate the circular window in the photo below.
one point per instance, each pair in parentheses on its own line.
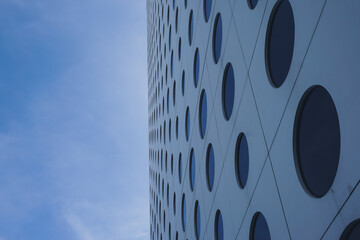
(187,124)
(174,203)
(170,38)
(352,231)
(316,141)
(172,63)
(177,127)
(241,160)
(252,3)
(174,93)
(169,230)
(203,113)
(197,220)
(179,49)
(183,212)
(280,39)
(192,169)
(196,67)
(217,38)
(183,83)
(210,167)
(167,101)
(172,163)
(176,19)
(180,168)
(259,229)
(219,227)
(191,27)
(228,91)
(169,139)
(207,9)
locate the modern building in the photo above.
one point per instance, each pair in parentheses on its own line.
(254,119)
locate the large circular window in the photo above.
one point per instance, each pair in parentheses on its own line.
(352,231)
(207,9)
(217,38)
(317,141)
(219,226)
(191,27)
(192,169)
(196,67)
(203,113)
(228,91)
(183,212)
(210,167)
(280,38)
(187,124)
(241,160)
(259,229)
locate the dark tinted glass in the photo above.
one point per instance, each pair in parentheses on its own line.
(179,49)
(191,27)
(192,169)
(203,113)
(169,140)
(280,42)
(207,9)
(242,160)
(174,203)
(170,37)
(180,168)
(197,220)
(259,228)
(252,3)
(176,19)
(177,127)
(228,91)
(210,166)
(183,83)
(172,63)
(352,232)
(187,124)
(317,140)
(196,67)
(217,38)
(174,93)
(172,163)
(219,227)
(183,212)
(167,102)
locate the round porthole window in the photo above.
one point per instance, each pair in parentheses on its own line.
(316,141)
(187,124)
(207,9)
(192,169)
(241,160)
(252,3)
(219,226)
(196,67)
(228,91)
(280,39)
(352,231)
(203,113)
(259,229)
(210,167)
(197,220)
(183,212)
(217,38)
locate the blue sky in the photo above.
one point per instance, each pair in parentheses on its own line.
(73,120)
